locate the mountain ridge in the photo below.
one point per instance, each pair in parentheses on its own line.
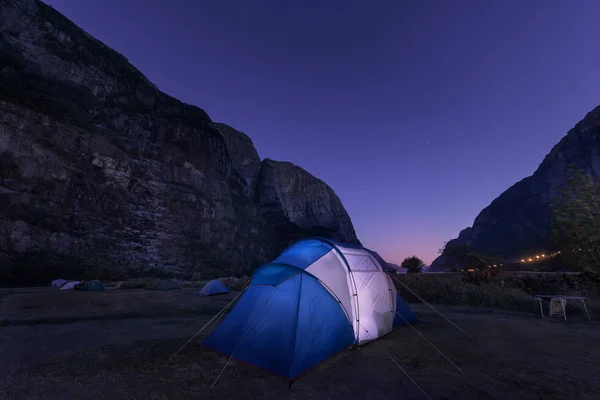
(101,169)
(518,221)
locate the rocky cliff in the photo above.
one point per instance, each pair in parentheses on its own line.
(519,221)
(99,168)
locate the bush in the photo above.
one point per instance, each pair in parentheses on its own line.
(454,289)
(503,292)
(138,283)
(233,283)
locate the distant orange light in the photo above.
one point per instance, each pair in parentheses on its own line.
(530,259)
(522,260)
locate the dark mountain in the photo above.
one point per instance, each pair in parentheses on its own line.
(100,168)
(518,222)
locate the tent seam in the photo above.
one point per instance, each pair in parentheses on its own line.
(296,328)
(355,294)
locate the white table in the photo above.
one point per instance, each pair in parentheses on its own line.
(563,301)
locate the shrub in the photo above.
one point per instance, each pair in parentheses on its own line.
(503,292)
(454,289)
(137,283)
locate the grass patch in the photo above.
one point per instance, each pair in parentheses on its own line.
(233,283)
(502,292)
(456,290)
(137,283)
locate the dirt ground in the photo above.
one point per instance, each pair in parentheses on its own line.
(115,344)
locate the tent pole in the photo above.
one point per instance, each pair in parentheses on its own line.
(211,320)
(433,308)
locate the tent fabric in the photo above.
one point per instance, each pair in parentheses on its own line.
(404,314)
(214,287)
(70,285)
(285,329)
(92,286)
(317,298)
(57,283)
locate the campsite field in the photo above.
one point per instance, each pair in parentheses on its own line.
(115,344)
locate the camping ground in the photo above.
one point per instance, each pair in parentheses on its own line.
(116,343)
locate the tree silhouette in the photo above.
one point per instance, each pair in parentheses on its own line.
(576,220)
(461,257)
(413,264)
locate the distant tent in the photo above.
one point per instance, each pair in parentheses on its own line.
(70,285)
(92,286)
(214,287)
(167,284)
(57,283)
(317,298)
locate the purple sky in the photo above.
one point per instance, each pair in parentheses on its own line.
(417,113)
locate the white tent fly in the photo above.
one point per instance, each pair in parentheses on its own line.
(57,283)
(366,293)
(70,285)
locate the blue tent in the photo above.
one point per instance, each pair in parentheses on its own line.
(317,298)
(214,287)
(92,286)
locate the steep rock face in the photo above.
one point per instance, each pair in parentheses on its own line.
(296,203)
(519,220)
(245,157)
(98,165)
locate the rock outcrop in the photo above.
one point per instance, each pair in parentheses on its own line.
(295,203)
(246,161)
(99,167)
(519,220)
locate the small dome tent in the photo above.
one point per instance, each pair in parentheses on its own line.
(92,286)
(317,298)
(71,285)
(58,283)
(213,287)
